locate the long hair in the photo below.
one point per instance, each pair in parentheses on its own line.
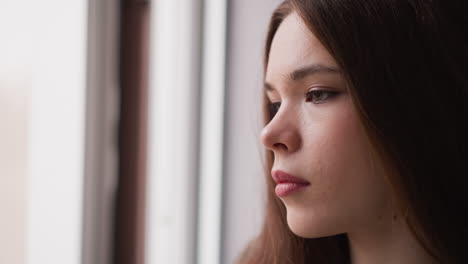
(405,62)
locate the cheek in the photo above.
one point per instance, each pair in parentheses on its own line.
(359,173)
(338,151)
(348,188)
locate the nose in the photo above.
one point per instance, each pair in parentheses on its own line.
(281,134)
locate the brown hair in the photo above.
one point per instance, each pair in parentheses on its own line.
(399,57)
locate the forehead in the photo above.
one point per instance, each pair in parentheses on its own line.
(294,46)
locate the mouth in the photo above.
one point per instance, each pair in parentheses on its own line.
(287,183)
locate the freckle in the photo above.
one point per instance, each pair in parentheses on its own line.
(394,217)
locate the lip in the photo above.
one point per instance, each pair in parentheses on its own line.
(287,184)
(283,177)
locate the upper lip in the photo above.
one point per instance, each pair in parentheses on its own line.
(282,177)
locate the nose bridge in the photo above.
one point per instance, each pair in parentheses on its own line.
(282,131)
(283,118)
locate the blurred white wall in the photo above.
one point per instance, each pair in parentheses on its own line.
(14,119)
(244,179)
(42,84)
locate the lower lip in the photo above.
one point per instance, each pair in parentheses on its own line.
(286,188)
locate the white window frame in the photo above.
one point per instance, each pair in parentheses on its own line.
(102,117)
(186,131)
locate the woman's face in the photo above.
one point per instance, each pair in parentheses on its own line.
(316,135)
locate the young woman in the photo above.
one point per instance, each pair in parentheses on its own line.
(366,105)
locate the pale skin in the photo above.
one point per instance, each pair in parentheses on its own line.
(316,135)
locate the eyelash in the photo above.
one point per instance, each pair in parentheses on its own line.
(273,108)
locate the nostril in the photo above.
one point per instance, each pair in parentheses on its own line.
(280,146)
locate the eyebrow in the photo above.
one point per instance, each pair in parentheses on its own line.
(303,72)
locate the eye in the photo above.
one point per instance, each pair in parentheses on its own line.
(273,109)
(319,95)
(316,96)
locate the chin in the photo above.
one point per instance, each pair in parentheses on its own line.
(309,226)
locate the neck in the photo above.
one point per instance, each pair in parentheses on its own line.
(387,242)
